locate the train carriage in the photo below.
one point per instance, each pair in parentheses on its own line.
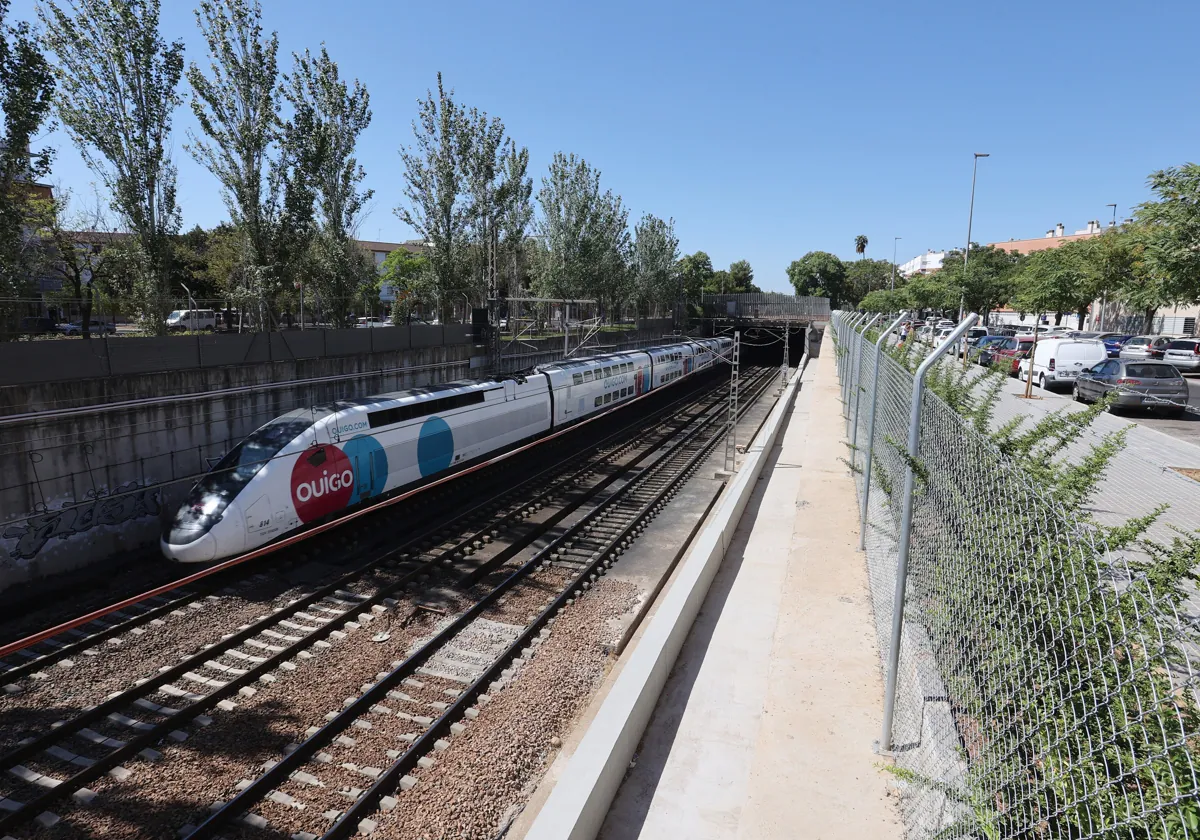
(309,464)
(583,387)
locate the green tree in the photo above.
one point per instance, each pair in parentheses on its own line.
(719,283)
(438,207)
(343,274)
(516,215)
(1055,280)
(820,274)
(864,276)
(989,278)
(118,79)
(860,245)
(695,273)
(742,277)
(584,236)
(26,88)
(935,291)
(656,276)
(237,110)
(410,279)
(884,300)
(1170,230)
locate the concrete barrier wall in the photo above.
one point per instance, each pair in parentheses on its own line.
(30,362)
(576,807)
(84,485)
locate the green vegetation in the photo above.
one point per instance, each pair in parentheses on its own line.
(1058,637)
(282,146)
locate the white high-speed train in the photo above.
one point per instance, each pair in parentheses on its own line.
(310,464)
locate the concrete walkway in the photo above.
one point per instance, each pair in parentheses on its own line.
(766,724)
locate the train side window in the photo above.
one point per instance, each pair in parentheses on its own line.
(599,401)
(587,376)
(577,379)
(608,398)
(608,371)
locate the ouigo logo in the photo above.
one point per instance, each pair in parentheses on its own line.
(322,482)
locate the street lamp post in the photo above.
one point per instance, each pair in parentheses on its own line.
(894,241)
(962,301)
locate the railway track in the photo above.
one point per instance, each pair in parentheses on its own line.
(451,554)
(443,504)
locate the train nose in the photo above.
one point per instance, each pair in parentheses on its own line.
(178,547)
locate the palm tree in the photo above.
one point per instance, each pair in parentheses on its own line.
(860,245)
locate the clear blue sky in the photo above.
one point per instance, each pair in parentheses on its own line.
(770,129)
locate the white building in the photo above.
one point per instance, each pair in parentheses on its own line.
(926,263)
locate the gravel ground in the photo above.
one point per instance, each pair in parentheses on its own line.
(59,692)
(490,769)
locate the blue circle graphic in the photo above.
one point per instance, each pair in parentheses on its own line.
(435,446)
(370,464)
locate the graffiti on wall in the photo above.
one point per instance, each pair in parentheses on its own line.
(124,504)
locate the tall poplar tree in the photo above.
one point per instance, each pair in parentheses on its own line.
(119,81)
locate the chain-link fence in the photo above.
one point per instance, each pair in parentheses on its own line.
(1045,682)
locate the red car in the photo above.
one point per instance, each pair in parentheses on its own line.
(1008,355)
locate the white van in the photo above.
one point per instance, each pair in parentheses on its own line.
(192,319)
(1057,361)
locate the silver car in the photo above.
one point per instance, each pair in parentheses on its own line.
(1183,353)
(1145,347)
(1155,385)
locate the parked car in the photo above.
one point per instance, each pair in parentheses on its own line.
(985,347)
(1008,355)
(38,326)
(1057,363)
(94,328)
(975,334)
(1139,384)
(368,322)
(192,319)
(1142,347)
(1183,353)
(1113,342)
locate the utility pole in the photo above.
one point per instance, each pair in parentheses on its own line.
(894,241)
(731,423)
(783,372)
(967,251)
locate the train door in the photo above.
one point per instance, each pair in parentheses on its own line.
(639,382)
(258,515)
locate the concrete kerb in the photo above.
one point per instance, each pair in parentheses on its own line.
(580,800)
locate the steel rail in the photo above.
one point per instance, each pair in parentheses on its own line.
(309,533)
(197,707)
(282,770)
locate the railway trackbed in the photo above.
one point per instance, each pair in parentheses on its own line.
(466,606)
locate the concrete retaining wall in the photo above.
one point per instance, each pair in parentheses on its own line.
(576,807)
(87,482)
(36,362)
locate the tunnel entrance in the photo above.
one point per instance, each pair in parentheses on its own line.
(763,345)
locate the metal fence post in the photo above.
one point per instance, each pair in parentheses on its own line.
(857,384)
(914,442)
(848,360)
(862,531)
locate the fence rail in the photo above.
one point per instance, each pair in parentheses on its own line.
(767,305)
(1045,685)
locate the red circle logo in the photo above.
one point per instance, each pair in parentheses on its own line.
(322,482)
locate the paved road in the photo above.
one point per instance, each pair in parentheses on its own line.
(1185,428)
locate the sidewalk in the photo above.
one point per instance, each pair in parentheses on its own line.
(766,724)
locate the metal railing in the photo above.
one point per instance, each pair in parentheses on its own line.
(768,305)
(1041,678)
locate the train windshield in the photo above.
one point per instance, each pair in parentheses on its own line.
(212,494)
